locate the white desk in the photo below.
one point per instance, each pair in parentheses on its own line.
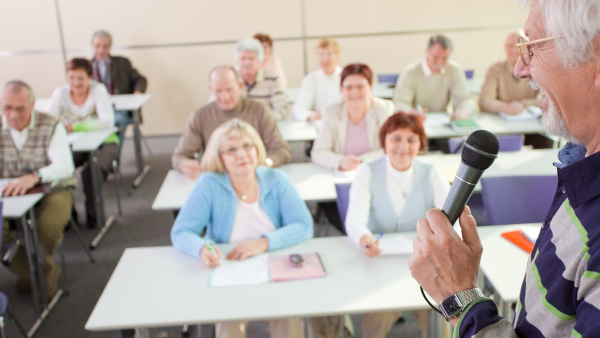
(173,192)
(129,101)
(298,131)
(17,206)
(88,141)
(490,122)
(354,284)
(503,263)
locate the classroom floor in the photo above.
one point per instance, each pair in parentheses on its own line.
(138,227)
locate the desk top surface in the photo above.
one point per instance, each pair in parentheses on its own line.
(16,207)
(88,141)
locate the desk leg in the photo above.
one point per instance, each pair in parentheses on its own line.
(435,324)
(137,142)
(342,327)
(98,201)
(38,253)
(31,263)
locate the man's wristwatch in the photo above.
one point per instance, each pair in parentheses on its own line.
(455,304)
(37,174)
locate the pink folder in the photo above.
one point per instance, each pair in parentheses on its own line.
(282,270)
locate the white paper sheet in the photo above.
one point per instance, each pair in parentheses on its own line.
(395,244)
(531,113)
(436,120)
(531,232)
(72,137)
(253,270)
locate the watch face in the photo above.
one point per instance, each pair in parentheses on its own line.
(451,306)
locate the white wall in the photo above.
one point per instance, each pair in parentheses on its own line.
(175,43)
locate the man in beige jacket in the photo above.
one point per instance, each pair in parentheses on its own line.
(502,91)
(228,104)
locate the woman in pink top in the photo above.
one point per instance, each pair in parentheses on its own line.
(350,127)
(272,63)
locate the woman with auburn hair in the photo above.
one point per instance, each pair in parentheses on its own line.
(272,63)
(238,201)
(390,195)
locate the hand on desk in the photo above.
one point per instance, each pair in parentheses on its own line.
(137,92)
(350,162)
(20,185)
(248,249)
(191,168)
(373,249)
(420,113)
(314,116)
(69,127)
(208,258)
(513,108)
(441,262)
(460,114)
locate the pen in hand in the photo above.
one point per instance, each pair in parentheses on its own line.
(376,239)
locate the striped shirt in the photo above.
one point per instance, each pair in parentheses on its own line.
(266,89)
(560,296)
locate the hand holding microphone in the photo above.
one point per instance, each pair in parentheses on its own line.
(441,262)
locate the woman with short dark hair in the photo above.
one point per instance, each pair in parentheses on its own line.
(84,105)
(350,127)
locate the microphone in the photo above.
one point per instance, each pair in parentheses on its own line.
(479,152)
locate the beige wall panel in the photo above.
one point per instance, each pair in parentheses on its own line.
(292,57)
(330,17)
(390,54)
(178,79)
(28,25)
(140,22)
(43,72)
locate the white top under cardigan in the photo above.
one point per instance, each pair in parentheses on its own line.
(97,108)
(318,90)
(250,222)
(400,183)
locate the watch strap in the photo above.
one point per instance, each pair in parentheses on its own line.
(469,296)
(464,297)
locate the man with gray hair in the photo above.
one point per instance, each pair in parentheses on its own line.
(259,84)
(34,150)
(117,73)
(429,84)
(560,295)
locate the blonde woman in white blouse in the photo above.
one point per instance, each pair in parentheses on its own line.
(84,105)
(390,195)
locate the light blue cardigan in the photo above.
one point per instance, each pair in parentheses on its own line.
(213,202)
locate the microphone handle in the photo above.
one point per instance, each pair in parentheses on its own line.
(462,188)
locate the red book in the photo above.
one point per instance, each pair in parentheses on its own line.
(519,240)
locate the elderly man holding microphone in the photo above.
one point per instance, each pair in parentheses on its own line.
(560,296)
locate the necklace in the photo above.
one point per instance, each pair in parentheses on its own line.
(244,197)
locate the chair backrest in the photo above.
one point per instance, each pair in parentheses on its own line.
(455,144)
(342,200)
(469,73)
(388,78)
(517,199)
(513,142)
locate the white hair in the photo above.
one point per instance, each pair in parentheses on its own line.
(250,45)
(104,34)
(16,86)
(553,121)
(578,21)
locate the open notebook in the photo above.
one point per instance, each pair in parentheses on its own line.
(250,271)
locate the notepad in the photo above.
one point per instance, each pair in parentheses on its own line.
(464,125)
(250,271)
(72,137)
(517,238)
(531,233)
(530,113)
(395,244)
(436,120)
(282,270)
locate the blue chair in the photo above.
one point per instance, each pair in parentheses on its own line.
(388,78)
(517,199)
(342,200)
(469,73)
(513,142)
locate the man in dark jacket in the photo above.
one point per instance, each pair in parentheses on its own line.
(117,73)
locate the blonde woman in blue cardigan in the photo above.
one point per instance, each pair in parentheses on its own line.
(240,201)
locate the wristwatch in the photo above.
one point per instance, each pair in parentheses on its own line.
(37,174)
(455,304)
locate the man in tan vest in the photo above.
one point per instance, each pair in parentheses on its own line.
(34,150)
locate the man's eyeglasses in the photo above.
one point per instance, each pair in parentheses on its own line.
(524,48)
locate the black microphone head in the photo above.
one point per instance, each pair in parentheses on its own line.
(482,140)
